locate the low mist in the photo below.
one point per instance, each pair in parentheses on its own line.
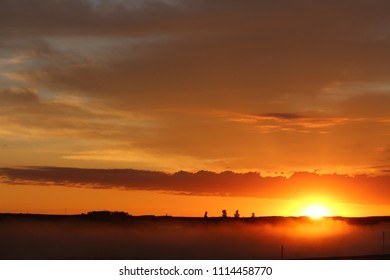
(177,238)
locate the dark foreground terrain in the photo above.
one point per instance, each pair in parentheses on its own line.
(107,235)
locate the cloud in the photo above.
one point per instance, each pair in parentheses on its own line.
(283,116)
(236,56)
(27,113)
(150,77)
(271,122)
(357,189)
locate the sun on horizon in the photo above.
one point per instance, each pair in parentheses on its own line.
(316,212)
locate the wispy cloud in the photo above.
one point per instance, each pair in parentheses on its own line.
(287,121)
(122,76)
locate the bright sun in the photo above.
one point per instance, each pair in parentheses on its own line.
(316,212)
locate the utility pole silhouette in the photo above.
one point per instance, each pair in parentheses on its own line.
(383,242)
(282,253)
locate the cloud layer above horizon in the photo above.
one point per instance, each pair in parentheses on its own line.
(171,85)
(360,189)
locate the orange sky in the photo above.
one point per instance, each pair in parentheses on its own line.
(246,86)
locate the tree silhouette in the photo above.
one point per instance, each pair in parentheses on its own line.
(253,215)
(224,213)
(236,214)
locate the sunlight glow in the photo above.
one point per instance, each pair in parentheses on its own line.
(316,212)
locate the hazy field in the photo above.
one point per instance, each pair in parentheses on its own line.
(82,237)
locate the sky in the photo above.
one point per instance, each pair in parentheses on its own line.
(179,107)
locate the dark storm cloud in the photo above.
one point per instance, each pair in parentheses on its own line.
(357,189)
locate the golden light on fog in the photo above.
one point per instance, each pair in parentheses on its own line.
(316,212)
